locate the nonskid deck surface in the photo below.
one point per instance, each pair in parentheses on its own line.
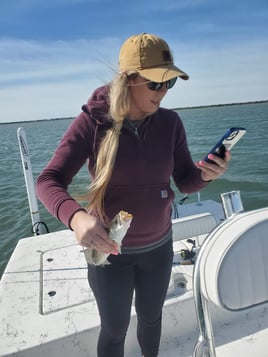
(46,303)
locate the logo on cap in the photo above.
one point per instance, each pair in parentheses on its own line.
(166,56)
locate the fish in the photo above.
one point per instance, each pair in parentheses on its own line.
(117,231)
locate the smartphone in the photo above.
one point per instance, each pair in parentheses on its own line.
(227,142)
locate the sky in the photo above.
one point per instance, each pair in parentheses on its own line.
(54,53)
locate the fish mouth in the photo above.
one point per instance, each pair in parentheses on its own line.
(125,216)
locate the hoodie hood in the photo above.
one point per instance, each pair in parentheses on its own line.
(97,106)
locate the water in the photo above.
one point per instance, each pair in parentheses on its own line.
(248,170)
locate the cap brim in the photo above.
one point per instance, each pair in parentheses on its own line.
(162,74)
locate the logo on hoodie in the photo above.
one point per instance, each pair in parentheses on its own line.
(164,194)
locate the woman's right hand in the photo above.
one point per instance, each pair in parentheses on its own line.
(90,233)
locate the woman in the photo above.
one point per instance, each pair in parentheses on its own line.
(132,148)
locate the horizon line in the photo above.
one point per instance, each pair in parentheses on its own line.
(177,108)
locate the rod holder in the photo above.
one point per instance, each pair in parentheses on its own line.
(232,203)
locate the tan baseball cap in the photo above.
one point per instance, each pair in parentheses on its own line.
(150,56)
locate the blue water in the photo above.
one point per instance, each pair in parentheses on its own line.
(248,170)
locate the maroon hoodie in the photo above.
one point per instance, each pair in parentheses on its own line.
(140,182)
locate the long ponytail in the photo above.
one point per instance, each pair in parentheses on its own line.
(119,102)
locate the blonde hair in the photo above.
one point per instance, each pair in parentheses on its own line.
(119,102)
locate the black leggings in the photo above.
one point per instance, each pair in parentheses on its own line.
(113,286)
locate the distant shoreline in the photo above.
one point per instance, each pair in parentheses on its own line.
(222,105)
(178,108)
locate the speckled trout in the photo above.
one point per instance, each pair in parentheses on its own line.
(117,231)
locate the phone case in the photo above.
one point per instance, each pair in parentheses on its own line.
(227,142)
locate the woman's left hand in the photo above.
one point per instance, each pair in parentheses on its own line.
(211,171)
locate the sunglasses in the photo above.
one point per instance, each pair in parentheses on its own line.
(157,86)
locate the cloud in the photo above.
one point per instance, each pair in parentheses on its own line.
(24,61)
(54,78)
(234,73)
(45,101)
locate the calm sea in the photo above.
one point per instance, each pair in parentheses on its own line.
(248,171)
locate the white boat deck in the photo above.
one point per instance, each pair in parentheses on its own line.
(48,309)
